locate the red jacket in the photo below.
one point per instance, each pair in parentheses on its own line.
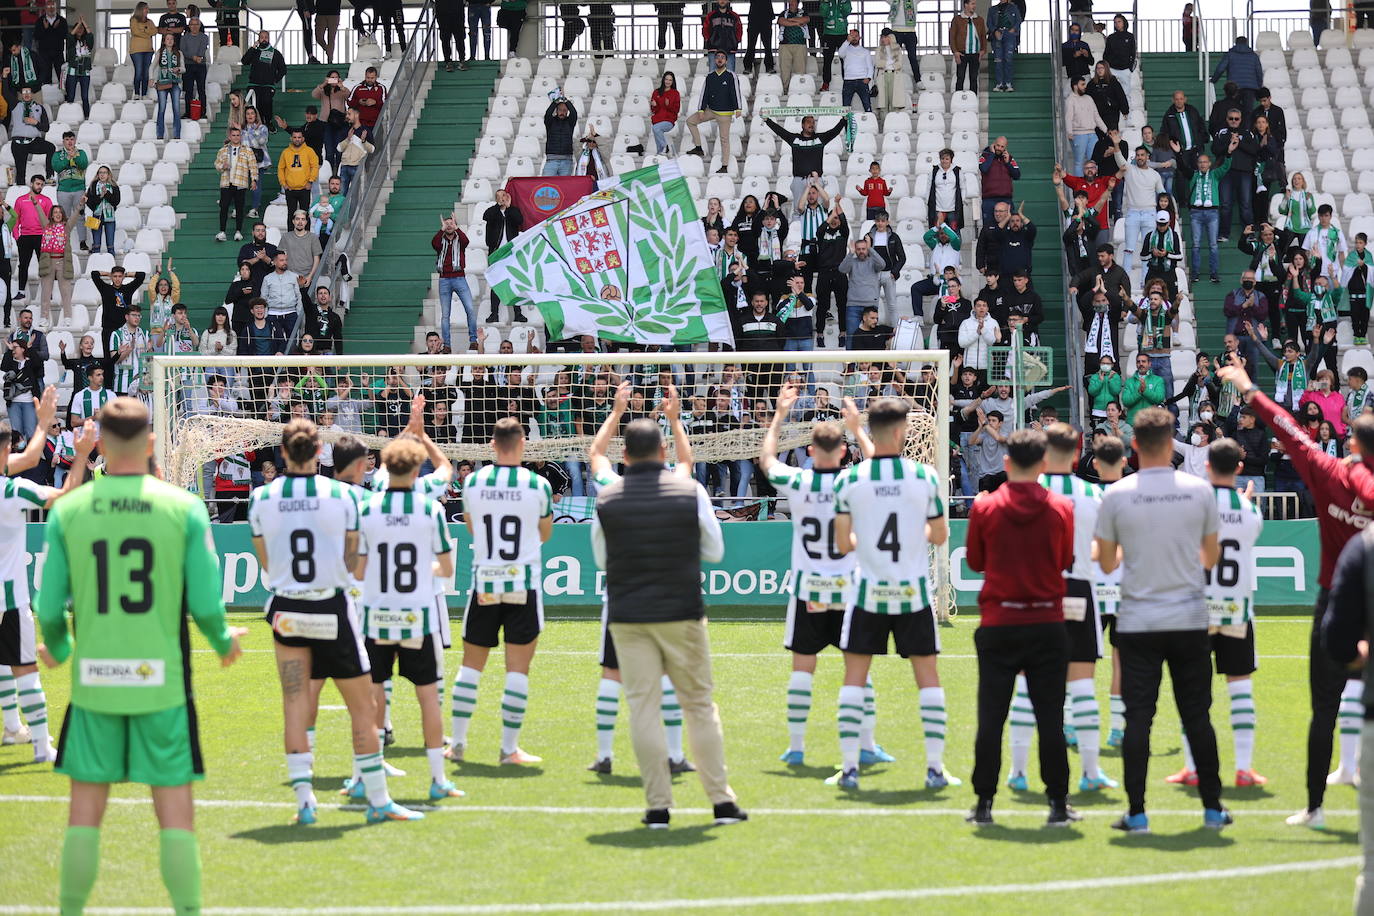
(664,106)
(1021,538)
(1342,488)
(452,260)
(368,114)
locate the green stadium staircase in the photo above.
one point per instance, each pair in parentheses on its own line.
(1025,117)
(205,266)
(1163,74)
(396,279)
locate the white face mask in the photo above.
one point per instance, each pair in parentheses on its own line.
(1197,438)
(1206,416)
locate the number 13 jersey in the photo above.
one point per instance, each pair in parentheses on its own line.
(888,501)
(303,520)
(505,505)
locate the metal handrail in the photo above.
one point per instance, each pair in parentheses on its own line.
(1073,349)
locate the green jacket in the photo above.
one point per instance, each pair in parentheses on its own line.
(1104,390)
(1213,179)
(835,14)
(1135,400)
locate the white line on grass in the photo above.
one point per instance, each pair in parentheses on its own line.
(460,808)
(878,896)
(781,653)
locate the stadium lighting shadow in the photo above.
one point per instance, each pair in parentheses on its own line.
(643,838)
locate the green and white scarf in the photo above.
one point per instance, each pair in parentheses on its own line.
(22,71)
(850,131)
(1290,378)
(1164,241)
(1156,330)
(1228,399)
(1321,308)
(1357,400)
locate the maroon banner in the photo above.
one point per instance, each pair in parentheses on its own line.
(540,198)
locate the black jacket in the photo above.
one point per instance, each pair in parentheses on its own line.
(958,195)
(1169,127)
(111,195)
(1114,278)
(1216,118)
(893,253)
(1110,99)
(265,66)
(50,41)
(1027,304)
(1278,121)
(115,302)
(502,227)
(1120,50)
(831,244)
(1244,156)
(559,133)
(988,252)
(808,153)
(1250,244)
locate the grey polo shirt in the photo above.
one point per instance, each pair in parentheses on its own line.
(1159,517)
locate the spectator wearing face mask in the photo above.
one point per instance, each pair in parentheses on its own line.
(1200,392)
(1325,393)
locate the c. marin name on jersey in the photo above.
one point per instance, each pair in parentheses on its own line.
(126,505)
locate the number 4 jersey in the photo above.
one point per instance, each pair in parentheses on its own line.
(888,501)
(402,533)
(505,505)
(820,574)
(303,519)
(1231,583)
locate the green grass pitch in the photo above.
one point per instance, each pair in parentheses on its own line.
(560,837)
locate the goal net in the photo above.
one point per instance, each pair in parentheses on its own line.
(211,410)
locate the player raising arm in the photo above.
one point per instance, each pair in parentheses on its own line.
(309,524)
(888,509)
(608,691)
(132,554)
(509,513)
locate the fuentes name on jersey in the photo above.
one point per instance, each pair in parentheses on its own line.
(505,505)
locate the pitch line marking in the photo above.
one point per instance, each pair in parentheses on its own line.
(621,811)
(642,906)
(780,654)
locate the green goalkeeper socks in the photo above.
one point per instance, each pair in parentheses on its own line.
(181,870)
(80,862)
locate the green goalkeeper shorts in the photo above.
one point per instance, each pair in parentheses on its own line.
(157,748)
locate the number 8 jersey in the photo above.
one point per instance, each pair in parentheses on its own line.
(303,520)
(505,505)
(889,500)
(820,574)
(1231,583)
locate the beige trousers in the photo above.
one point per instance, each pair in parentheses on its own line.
(791,61)
(722,124)
(681,650)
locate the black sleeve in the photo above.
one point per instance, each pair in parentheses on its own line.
(1344,624)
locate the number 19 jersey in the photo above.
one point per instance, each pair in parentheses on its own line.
(1231,583)
(505,505)
(401,534)
(820,574)
(889,500)
(303,520)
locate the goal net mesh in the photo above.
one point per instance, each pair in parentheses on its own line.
(208,409)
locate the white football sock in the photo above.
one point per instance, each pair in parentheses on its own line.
(870,718)
(310,738)
(374,779)
(1350,717)
(671,710)
(1087,721)
(513,703)
(436,764)
(798,709)
(1188,762)
(300,770)
(464,702)
(1116,707)
(34,705)
(933,722)
(850,716)
(1243,721)
(386,688)
(9,699)
(607,705)
(1022,726)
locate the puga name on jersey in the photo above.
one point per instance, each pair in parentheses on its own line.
(1231,582)
(889,500)
(821,575)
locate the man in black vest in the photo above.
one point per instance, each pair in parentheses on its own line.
(651,531)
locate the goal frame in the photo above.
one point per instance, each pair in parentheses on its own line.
(163,368)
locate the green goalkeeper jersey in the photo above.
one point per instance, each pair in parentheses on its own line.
(133,555)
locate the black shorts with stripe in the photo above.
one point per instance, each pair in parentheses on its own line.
(344,656)
(1085,636)
(608,657)
(1235,656)
(18,641)
(808,632)
(421,666)
(866,633)
(521,624)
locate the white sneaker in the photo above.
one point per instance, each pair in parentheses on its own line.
(238,236)
(221,237)
(1316,820)
(45,755)
(19,735)
(1343,777)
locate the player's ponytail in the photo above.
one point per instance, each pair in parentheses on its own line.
(301,441)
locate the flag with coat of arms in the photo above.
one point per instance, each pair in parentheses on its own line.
(628,263)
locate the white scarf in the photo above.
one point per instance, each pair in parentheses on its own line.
(1100,335)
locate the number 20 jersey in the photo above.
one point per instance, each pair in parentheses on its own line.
(889,500)
(303,520)
(505,505)
(818,575)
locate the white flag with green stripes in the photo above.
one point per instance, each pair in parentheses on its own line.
(628,263)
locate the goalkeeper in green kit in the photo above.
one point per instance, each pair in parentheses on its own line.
(132,554)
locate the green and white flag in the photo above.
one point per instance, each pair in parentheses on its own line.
(628,263)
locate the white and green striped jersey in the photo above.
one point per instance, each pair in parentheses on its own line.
(1086,498)
(86,403)
(402,532)
(129,370)
(432,486)
(1231,583)
(505,505)
(304,520)
(17,495)
(1107,590)
(604,478)
(889,499)
(820,573)
(178,341)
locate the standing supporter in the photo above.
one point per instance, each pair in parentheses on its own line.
(1108,95)
(451,246)
(195,55)
(968,42)
(298,168)
(511,16)
(856,71)
(353,149)
(1083,120)
(69,165)
(834,17)
(1016,245)
(1021,604)
(721,102)
(560,126)
(168,70)
(999,170)
(901,22)
(504,221)
(28,127)
(808,151)
(1278,121)
(1120,53)
(945,199)
(722,30)
(141,32)
(1143,186)
(889,90)
(863,268)
(50,42)
(1356,277)
(31,217)
(1241,65)
(367,98)
(792,22)
(281,291)
(392,16)
(303,250)
(1238,185)
(237,165)
(266,68)
(977,334)
(886,242)
(1004,25)
(832,247)
(80,48)
(1162,618)
(1183,125)
(761,25)
(327,27)
(333,96)
(1075,55)
(988,252)
(1204,199)
(669,19)
(258,253)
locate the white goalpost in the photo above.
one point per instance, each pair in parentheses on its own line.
(209,407)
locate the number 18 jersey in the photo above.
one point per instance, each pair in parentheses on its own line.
(303,519)
(820,573)
(401,534)
(889,500)
(1231,583)
(505,505)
